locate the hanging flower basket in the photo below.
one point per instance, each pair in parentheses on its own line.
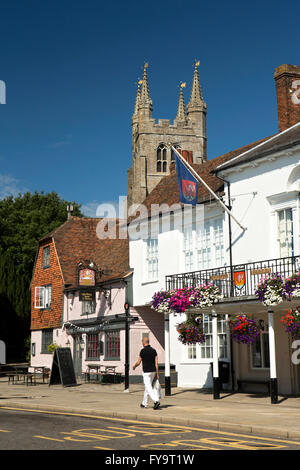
(292,285)
(244,330)
(178,300)
(191,332)
(291,320)
(271,290)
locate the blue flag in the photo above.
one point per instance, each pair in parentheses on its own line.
(188,185)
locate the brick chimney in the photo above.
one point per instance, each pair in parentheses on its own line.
(287,79)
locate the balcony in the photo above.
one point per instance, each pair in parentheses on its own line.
(238,282)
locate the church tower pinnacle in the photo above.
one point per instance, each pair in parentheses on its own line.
(145,105)
(152,159)
(196,110)
(181,114)
(137,102)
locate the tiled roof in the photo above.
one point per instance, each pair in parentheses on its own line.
(284,140)
(76,240)
(167,191)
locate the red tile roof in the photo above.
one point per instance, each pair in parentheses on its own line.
(167,192)
(76,240)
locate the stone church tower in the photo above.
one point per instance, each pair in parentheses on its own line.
(151,158)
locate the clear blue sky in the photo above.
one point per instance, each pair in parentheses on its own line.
(71,68)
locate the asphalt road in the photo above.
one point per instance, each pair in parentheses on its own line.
(46,431)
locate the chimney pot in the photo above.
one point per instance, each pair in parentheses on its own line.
(287,79)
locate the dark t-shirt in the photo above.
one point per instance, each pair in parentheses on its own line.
(148,355)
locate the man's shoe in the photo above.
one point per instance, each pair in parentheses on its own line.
(143,406)
(156,405)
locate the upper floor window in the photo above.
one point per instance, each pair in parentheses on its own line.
(88,306)
(43,296)
(152,259)
(188,247)
(285,232)
(161,159)
(204,248)
(46,257)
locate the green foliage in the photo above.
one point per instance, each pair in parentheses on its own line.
(52,347)
(27,346)
(24,220)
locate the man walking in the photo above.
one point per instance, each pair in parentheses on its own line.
(148,356)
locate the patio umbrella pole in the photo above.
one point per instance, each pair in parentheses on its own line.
(216,379)
(167,356)
(273,375)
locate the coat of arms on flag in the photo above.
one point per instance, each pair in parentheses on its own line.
(189,189)
(188,185)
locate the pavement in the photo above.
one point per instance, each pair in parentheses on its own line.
(240,412)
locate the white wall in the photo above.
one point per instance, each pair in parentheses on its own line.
(270,181)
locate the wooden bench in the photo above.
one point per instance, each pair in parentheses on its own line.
(240,383)
(27,378)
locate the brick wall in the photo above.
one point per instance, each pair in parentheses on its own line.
(287,79)
(52,317)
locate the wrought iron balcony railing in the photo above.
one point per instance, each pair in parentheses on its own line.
(237,281)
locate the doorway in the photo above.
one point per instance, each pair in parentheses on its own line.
(77,355)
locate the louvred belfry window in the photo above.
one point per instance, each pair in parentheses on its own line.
(161,159)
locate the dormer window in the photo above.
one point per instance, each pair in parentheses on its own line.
(161,159)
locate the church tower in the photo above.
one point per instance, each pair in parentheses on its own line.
(151,157)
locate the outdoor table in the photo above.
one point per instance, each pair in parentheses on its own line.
(39,369)
(100,371)
(19,370)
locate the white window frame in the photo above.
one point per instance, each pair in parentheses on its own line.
(277,203)
(265,332)
(151,276)
(212,236)
(285,220)
(207,360)
(43,296)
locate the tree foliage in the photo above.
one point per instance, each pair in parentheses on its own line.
(24,220)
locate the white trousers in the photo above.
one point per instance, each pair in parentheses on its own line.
(149,390)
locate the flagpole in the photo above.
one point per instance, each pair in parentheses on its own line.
(195,174)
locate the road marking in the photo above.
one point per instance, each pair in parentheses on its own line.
(48,438)
(133,421)
(103,448)
(4,430)
(144,430)
(106,434)
(164,445)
